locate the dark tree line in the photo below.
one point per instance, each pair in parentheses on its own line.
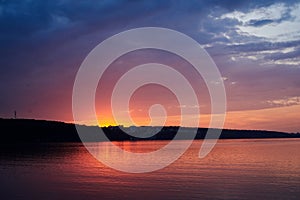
(41,131)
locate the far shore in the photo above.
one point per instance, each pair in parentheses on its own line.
(42,131)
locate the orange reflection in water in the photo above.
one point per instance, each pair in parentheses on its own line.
(266,157)
(235,169)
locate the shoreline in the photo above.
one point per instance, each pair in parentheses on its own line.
(19,131)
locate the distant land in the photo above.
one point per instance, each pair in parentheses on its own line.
(40,131)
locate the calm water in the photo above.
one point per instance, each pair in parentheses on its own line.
(235,169)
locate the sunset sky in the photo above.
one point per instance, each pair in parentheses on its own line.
(255,44)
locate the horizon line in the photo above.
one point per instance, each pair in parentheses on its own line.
(73,123)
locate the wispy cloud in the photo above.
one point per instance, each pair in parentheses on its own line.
(289,101)
(277,22)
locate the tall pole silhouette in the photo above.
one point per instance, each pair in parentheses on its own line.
(15,114)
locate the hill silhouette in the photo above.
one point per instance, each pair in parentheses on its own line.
(42,131)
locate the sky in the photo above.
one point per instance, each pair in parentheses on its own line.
(255,45)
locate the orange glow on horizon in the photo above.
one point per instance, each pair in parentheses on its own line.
(276,119)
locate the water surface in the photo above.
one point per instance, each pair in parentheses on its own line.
(235,169)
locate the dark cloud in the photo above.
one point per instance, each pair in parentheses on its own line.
(23,18)
(260,22)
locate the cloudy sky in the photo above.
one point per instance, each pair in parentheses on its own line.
(255,44)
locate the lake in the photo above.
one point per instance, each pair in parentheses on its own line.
(235,169)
